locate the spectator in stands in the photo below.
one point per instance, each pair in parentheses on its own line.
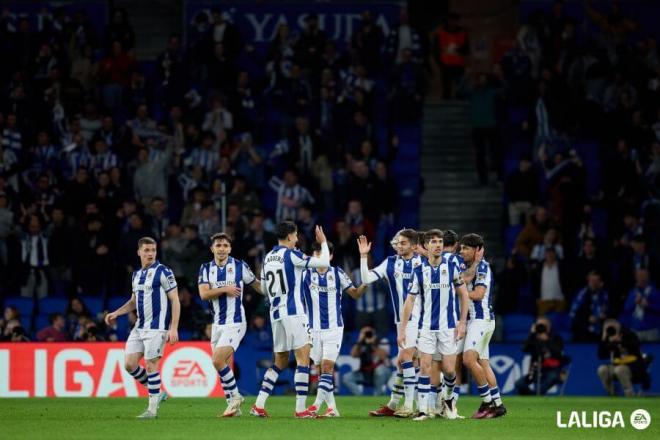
(401,38)
(157,219)
(550,239)
(290,195)
(374,367)
(259,241)
(6,228)
(642,308)
(10,313)
(150,178)
(587,262)
(546,350)
(222,31)
(34,259)
(74,311)
(510,280)
(550,283)
(310,46)
(626,365)
(115,73)
(356,220)
(93,250)
(533,232)
(9,328)
(453,45)
(589,309)
(521,188)
(248,161)
(367,42)
(407,88)
(56,331)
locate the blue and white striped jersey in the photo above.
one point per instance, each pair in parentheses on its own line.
(289,198)
(435,287)
(398,272)
(322,293)
(150,287)
(281,279)
(483,308)
(226,309)
(458,260)
(373,299)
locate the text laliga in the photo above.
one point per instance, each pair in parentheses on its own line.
(67,380)
(593,419)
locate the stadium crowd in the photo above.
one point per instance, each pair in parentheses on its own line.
(574,135)
(98,150)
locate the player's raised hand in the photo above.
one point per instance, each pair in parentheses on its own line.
(363,245)
(320,236)
(110,318)
(173,336)
(232,291)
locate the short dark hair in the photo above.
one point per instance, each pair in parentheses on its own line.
(316,247)
(220,236)
(146,240)
(433,233)
(53,317)
(450,238)
(283,229)
(411,235)
(472,240)
(595,273)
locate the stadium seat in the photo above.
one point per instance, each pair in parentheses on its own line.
(561,322)
(26,323)
(93,304)
(25,306)
(185,335)
(516,326)
(52,305)
(114,302)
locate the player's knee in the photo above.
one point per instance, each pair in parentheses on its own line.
(621,370)
(130,365)
(327,367)
(469,358)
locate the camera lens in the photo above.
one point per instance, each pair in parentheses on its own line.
(611,331)
(368,334)
(541,328)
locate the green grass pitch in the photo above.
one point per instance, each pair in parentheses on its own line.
(195,419)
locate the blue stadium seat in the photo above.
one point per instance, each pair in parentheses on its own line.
(94,304)
(25,306)
(52,305)
(26,322)
(41,322)
(114,302)
(561,322)
(516,326)
(185,335)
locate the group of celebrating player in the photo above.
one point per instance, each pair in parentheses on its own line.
(441,296)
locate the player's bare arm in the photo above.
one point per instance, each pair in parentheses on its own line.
(206,293)
(477,294)
(256,285)
(405,317)
(357,292)
(461,326)
(173,333)
(128,307)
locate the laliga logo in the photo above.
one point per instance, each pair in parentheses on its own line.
(639,419)
(189,372)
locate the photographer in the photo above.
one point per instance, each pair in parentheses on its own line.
(374,369)
(621,347)
(546,350)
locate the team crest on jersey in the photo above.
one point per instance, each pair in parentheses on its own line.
(463,266)
(330,277)
(396,274)
(444,272)
(481,276)
(230,270)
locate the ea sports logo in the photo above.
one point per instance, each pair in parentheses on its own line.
(189,372)
(640,419)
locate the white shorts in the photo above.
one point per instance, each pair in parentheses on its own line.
(412,332)
(149,342)
(229,335)
(478,337)
(326,344)
(434,342)
(290,333)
